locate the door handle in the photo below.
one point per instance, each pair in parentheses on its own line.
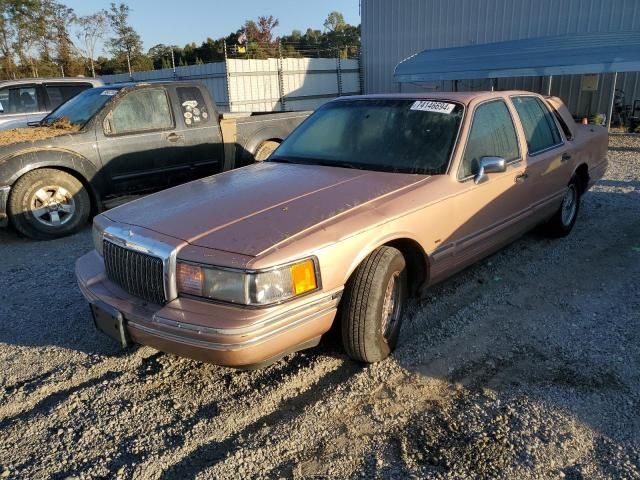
(174,137)
(522,177)
(566,157)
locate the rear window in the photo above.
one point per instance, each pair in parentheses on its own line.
(194,108)
(58,94)
(538,123)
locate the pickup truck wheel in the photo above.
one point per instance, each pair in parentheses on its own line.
(48,203)
(265,150)
(564,219)
(373,304)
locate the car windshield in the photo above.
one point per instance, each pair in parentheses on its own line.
(395,135)
(81,108)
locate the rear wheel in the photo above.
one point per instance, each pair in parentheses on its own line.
(373,305)
(265,150)
(562,222)
(48,203)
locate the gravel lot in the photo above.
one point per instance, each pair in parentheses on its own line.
(524,366)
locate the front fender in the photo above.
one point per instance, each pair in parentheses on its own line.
(21,162)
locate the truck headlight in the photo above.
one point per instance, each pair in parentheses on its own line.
(255,288)
(98,237)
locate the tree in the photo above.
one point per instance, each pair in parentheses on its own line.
(335,22)
(92,28)
(126,42)
(260,36)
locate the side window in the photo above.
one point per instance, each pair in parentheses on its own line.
(19,100)
(194,108)
(58,94)
(492,135)
(539,127)
(140,110)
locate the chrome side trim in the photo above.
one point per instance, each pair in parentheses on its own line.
(228,346)
(328,301)
(127,238)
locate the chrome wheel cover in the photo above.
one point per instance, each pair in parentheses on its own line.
(391,305)
(53,206)
(569,206)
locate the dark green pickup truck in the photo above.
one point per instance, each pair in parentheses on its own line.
(125,140)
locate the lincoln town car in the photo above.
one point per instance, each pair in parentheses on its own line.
(370,200)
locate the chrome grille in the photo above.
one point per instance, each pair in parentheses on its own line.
(137,273)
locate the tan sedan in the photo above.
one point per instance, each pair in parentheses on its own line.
(366,201)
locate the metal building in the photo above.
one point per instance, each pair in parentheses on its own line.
(393,30)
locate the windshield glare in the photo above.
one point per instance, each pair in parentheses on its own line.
(398,135)
(81,108)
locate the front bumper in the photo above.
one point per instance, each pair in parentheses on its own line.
(216,333)
(4,199)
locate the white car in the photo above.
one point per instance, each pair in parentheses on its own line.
(30,100)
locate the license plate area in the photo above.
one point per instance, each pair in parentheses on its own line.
(110,322)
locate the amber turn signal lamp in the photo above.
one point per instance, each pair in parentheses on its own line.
(303,276)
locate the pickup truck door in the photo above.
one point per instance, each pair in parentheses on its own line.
(202,148)
(549,156)
(494,212)
(138,142)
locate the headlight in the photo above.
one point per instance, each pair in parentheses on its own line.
(249,288)
(98,236)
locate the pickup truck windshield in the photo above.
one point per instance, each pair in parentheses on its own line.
(81,108)
(396,135)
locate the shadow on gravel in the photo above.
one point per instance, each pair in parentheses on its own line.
(211,453)
(45,405)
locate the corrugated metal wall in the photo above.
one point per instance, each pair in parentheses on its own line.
(393,30)
(258,85)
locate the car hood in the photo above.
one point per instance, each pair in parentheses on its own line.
(250,210)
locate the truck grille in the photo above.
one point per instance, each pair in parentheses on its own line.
(137,273)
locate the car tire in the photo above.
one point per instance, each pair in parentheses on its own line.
(48,203)
(265,150)
(373,304)
(562,222)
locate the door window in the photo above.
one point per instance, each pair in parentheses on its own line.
(492,135)
(141,110)
(194,109)
(538,123)
(58,94)
(18,100)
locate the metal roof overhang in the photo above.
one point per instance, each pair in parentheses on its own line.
(543,56)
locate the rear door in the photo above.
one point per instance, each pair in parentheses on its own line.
(549,156)
(492,213)
(202,149)
(138,142)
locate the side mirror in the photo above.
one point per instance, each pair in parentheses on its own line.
(489,165)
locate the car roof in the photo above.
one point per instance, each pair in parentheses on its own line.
(40,80)
(461,97)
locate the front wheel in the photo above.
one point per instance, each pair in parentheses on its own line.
(48,203)
(373,305)
(562,222)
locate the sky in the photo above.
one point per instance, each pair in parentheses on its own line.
(181,22)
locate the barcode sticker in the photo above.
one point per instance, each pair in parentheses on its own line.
(429,106)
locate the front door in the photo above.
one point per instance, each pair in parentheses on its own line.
(138,142)
(491,213)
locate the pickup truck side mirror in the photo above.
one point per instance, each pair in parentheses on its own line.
(489,165)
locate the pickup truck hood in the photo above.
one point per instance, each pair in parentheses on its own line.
(250,210)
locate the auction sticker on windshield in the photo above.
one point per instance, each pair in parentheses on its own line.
(109,93)
(429,106)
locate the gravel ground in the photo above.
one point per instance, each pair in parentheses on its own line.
(524,366)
